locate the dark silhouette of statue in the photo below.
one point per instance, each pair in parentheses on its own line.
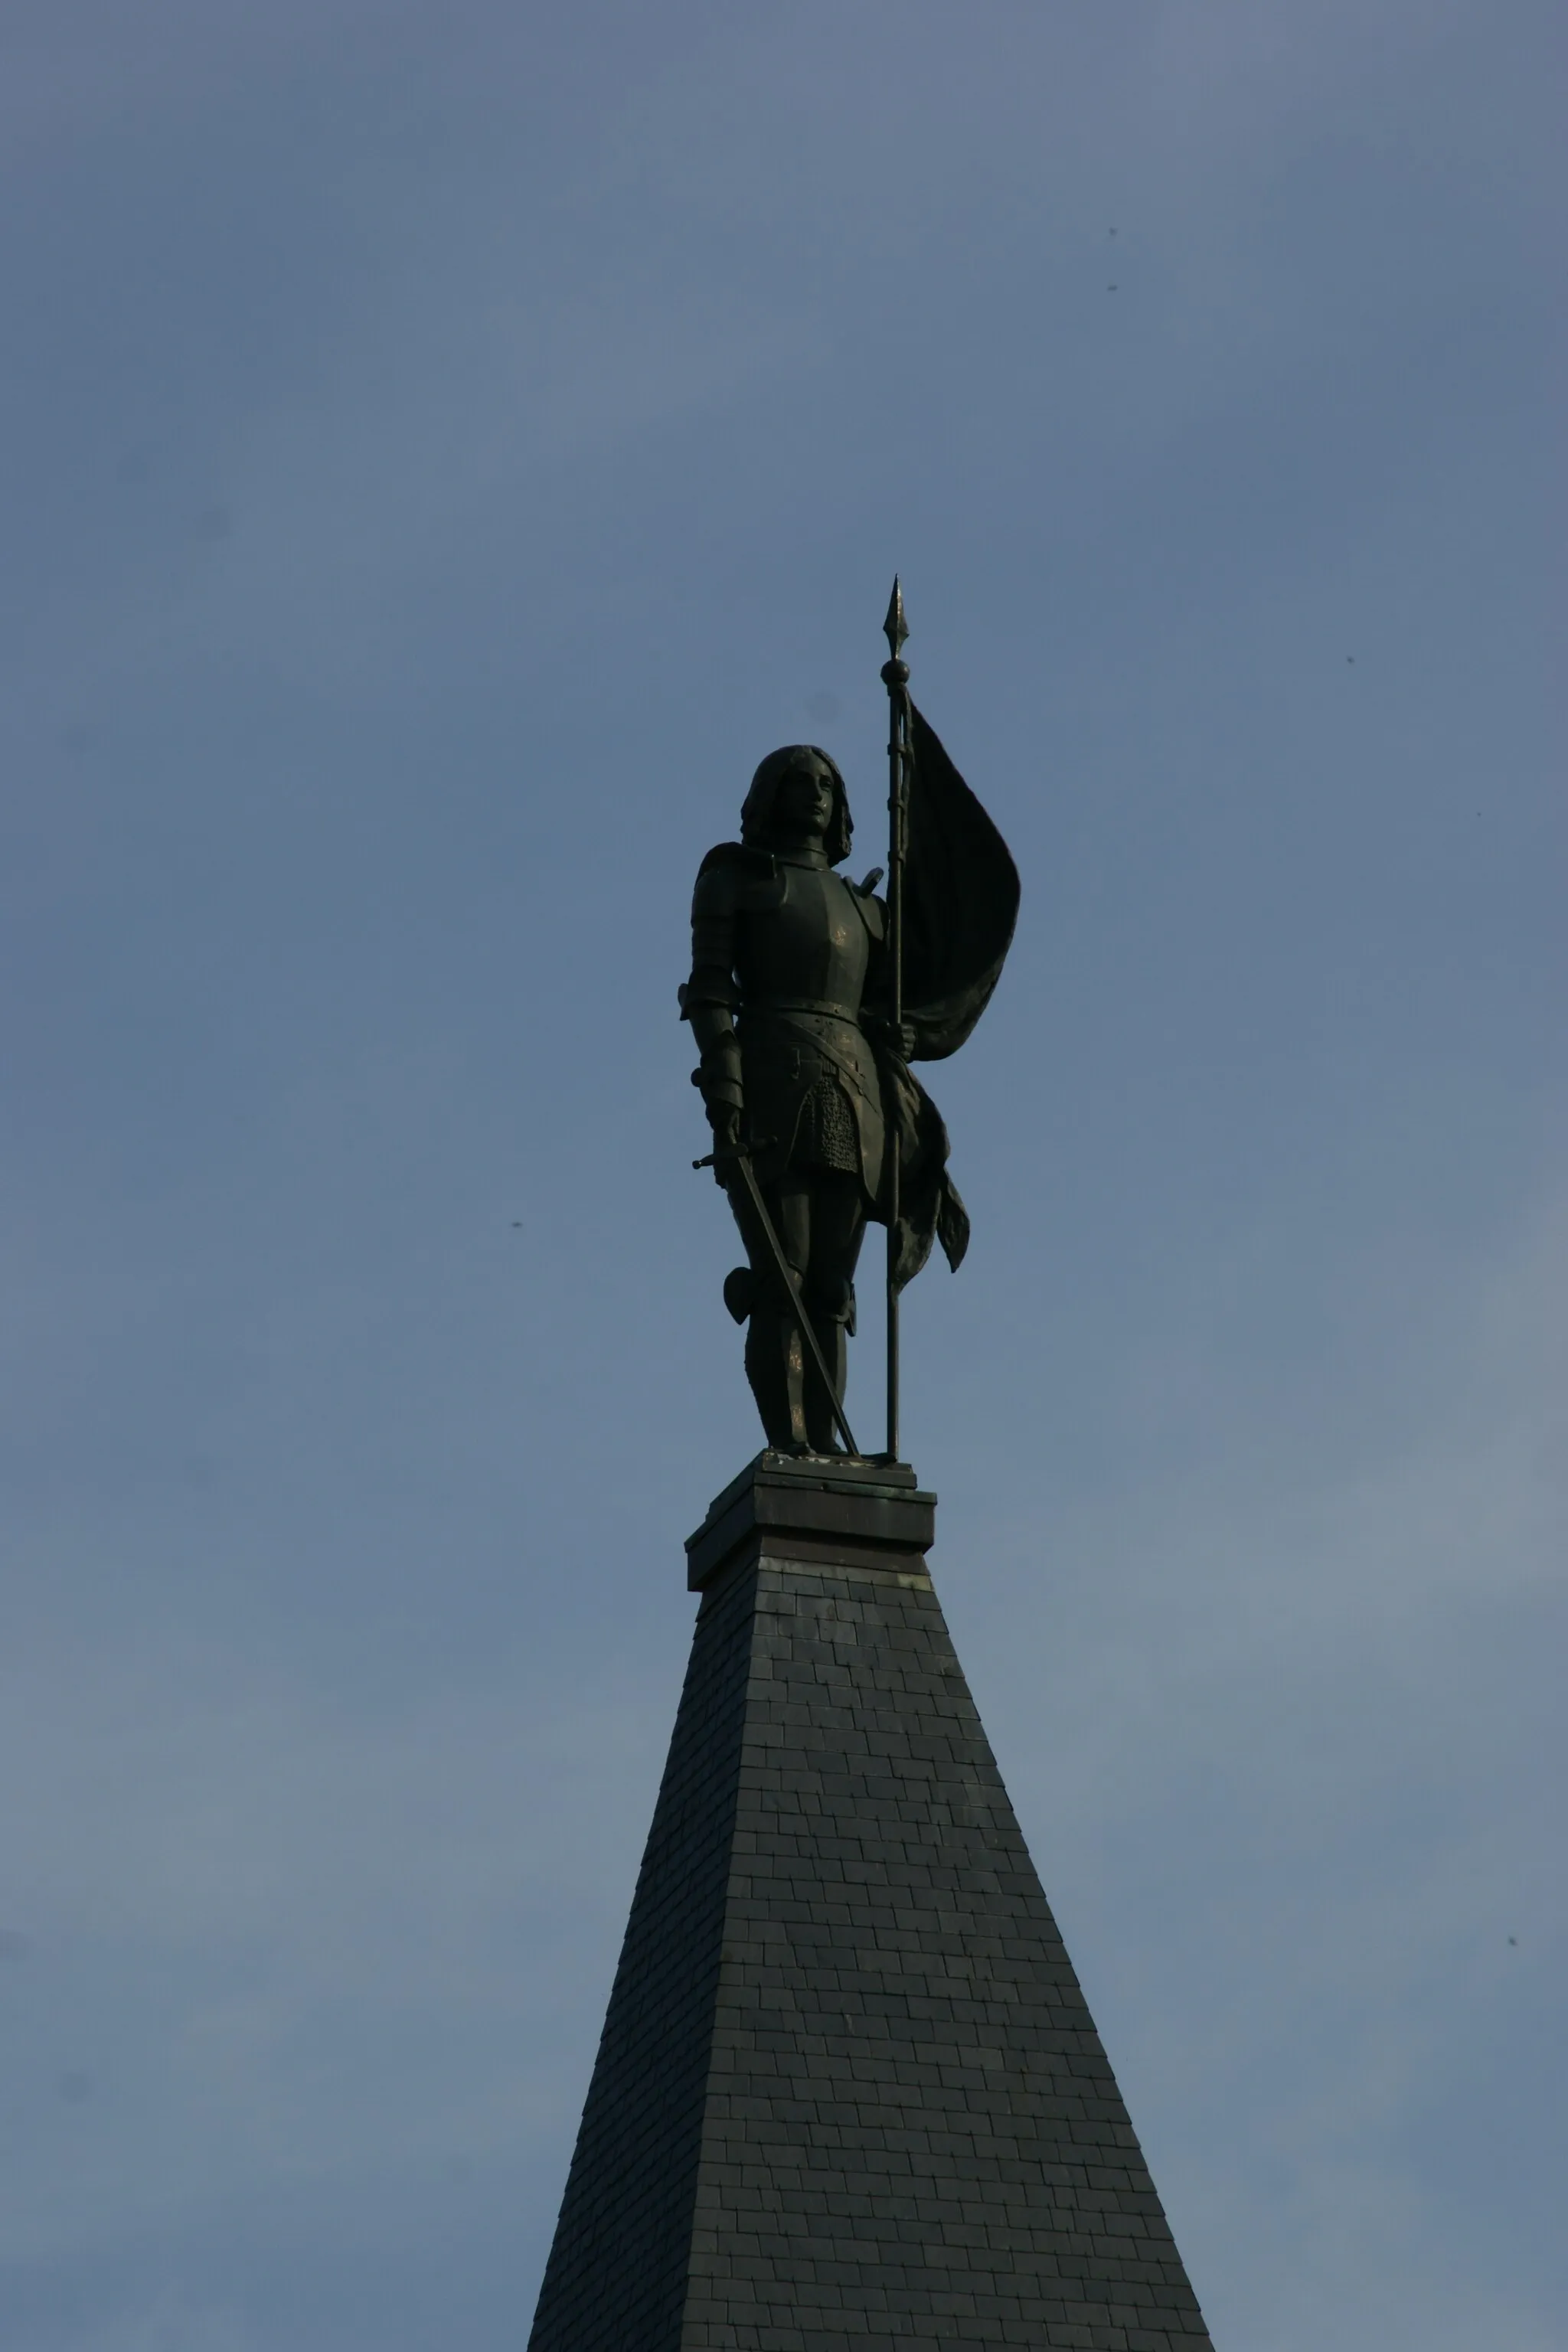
(805,1038)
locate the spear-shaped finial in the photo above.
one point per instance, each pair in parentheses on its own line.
(895,628)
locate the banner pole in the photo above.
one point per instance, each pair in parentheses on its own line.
(896,677)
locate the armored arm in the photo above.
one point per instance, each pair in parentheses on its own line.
(707,998)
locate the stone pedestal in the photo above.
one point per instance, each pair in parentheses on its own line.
(849,2096)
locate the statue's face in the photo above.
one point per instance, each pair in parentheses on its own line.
(803,804)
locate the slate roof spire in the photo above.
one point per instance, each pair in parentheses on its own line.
(849,2096)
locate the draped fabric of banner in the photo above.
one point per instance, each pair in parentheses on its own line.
(960,903)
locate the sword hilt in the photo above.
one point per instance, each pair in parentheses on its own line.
(735,1151)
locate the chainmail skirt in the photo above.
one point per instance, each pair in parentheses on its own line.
(826,1136)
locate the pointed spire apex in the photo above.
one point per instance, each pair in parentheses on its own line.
(895,628)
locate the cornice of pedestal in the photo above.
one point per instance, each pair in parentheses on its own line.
(815,1509)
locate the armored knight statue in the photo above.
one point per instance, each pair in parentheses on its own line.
(806,1036)
(786,962)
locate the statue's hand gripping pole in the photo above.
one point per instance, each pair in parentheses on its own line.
(739,1156)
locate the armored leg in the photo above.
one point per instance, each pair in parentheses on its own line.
(821,1429)
(837,1230)
(776,1370)
(775,1352)
(820,1219)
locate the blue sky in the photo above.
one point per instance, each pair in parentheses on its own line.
(443,449)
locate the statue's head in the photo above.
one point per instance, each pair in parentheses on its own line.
(797,794)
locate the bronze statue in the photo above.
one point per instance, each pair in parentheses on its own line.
(809,997)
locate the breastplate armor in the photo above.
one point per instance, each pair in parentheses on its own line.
(810,949)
